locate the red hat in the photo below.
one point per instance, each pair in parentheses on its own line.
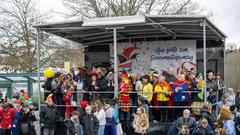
(18,102)
(94,74)
(124,75)
(49,98)
(83,104)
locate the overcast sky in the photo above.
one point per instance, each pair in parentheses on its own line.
(226,14)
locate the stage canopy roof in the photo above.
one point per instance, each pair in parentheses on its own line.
(134,28)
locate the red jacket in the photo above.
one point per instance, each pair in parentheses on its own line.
(6,117)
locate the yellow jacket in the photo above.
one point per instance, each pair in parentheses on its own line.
(162,89)
(147,88)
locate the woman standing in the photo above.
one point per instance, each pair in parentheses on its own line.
(147,89)
(163,91)
(94,85)
(101,116)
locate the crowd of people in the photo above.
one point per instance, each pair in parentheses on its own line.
(86,104)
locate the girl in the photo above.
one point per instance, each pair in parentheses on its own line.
(140,122)
(110,128)
(100,114)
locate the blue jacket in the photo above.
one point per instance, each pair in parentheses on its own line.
(181,95)
(197,130)
(229,127)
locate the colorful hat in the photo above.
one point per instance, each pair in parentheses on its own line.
(83,104)
(82,68)
(94,74)
(124,75)
(48,73)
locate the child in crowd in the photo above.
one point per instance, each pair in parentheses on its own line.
(90,122)
(183,130)
(74,127)
(100,114)
(203,128)
(110,128)
(140,122)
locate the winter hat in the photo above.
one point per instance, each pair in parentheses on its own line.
(83,104)
(49,98)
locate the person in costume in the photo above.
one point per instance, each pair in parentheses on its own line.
(82,80)
(154,102)
(181,97)
(147,89)
(107,84)
(24,95)
(68,90)
(94,85)
(193,87)
(49,76)
(124,98)
(141,121)
(110,127)
(163,91)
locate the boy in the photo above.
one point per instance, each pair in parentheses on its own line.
(74,126)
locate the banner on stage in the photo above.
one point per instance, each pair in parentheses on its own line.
(144,57)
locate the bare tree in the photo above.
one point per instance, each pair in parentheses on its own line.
(233,70)
(18,38)
(105,8)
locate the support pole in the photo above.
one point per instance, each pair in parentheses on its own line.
(83,57)
(115,60)
(115,63)
(204,60)
(225,66)
(39,88)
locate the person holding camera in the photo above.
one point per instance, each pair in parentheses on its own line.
(25,120)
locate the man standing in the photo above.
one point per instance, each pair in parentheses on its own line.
(211,88)
(170,77)
(186,120)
